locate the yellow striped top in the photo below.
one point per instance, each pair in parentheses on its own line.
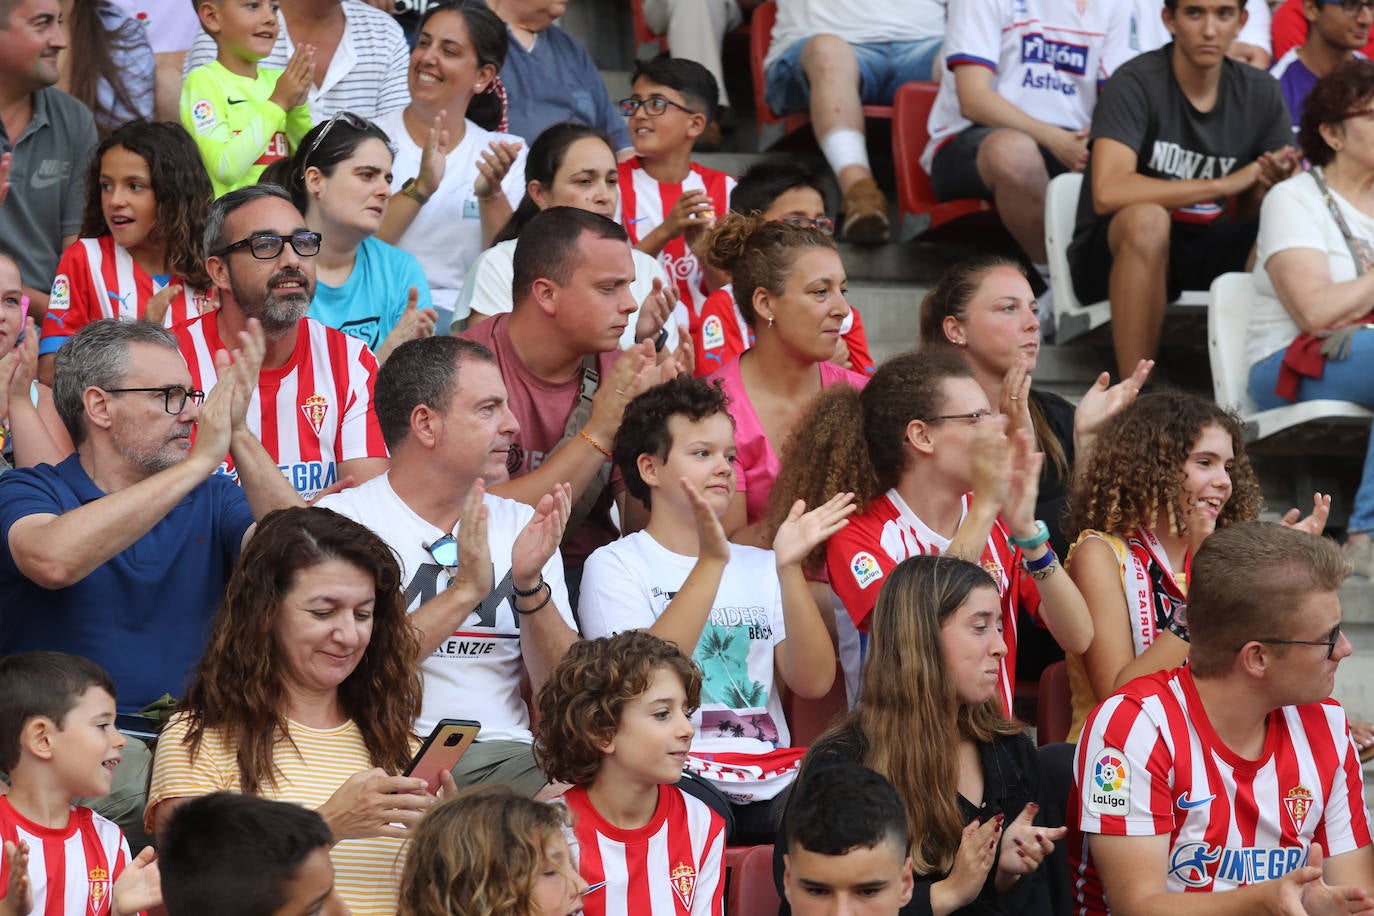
(366,872)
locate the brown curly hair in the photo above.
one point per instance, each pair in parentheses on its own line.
(581,702)
(855,441)
(479,853)
(239,686)
(758,254)
(1135,472)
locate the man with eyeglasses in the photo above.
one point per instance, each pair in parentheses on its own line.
(313,398)
(1337,30)
(1231,784)
(1290,29)
(482,575)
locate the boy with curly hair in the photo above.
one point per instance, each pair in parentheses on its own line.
(615,721)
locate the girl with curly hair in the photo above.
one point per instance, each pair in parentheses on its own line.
(139,253)
(615,720)
(1172,470)
(936,473)
(491,852)
(971,784)
(306,693)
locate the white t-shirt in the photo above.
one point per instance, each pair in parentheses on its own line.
(476,673)
(1048,58)
(627,584)
(446,236)
(1294,215)
(856,21)
(487,288)
(171,26)
(1148,31)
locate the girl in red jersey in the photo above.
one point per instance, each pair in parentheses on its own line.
(1142,505)
(490,852)
(615,720)
(139,254)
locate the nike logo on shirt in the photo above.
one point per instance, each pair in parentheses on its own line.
(237,101)
(1185,802)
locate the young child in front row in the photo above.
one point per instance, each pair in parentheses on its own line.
(666,199)
(615,721)
(848,844)
(227,854)
(488,850)
(243,117)
(738,610)
(58,742)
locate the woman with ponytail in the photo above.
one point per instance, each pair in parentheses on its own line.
(339,179)
(458,175)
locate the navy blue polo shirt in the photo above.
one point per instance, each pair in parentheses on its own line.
(144,615)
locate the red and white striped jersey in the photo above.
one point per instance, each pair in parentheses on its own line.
(860,556)
(319,404)
(645,202)
(98,279)
(672,866)
(72,869)
(1150,763)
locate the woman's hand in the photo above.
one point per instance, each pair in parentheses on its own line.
(977,850)
(156,309)
(1015,400)
(492,167)
(1314,523)
(1025,845)
(371,803)
(139,887)
(800,533)
(989,461)
(1103,400)
(1200,526)
(433,157)
(413,324)
(1018,505)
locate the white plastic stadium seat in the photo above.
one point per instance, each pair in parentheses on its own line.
(1232,299)
(1071,317)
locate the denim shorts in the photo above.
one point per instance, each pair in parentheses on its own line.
(883,66)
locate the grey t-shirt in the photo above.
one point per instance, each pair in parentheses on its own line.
(1143,107)
(47,184)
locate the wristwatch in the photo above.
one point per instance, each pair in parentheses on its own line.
(411,189)
(661,340)
(1178,623)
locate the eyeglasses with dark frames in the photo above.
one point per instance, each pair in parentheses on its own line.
(1329,643)
(653,106)
(1350,7)
(266,246)
(975,418)
(823,223)
(171,394)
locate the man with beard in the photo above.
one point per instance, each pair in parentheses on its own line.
(312,404)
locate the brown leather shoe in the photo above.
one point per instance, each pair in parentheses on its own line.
(865,214)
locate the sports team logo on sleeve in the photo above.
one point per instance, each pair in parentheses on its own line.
(865,568)
(684,881)
(315,408)
(1298,802)
(61,298)
(203,115)
(713,333)
(1109,783)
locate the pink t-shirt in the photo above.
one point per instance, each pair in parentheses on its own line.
(757,462)
(543,407)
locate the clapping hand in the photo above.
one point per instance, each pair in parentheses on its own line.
(802,532)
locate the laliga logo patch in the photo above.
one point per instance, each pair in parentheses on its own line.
(1109,783)
(684,880)
(99,880)
(61,298)
(1298,802)
(203,115)
(713,333)
(865,568)
(315,408)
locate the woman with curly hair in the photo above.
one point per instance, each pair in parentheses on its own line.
(491,852)
(615,720)
(789,285)
(971,783)
(140,252)
(1174,472)
(936,473)
(306,693)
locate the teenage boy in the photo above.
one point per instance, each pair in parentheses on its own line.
(615,721)
(666,200)
(244,117)
(738,610)
(58,742)
(847,845)
(1231,785)
(1178,133)
(226,854)
(1336,32)
(784,190)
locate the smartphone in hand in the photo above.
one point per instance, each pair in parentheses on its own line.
(442,749)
